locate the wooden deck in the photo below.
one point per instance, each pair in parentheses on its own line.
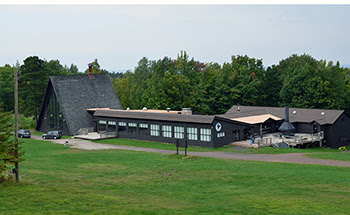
(96,136)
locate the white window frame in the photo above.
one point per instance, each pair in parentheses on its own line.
(221,134)
(192,133)
(143,125)
(122,124)
(166,131)
(112,123)
(132,124)
(205,134)
(179,132)
(102,122)
(155,130)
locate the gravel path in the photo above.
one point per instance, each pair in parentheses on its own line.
(283,158)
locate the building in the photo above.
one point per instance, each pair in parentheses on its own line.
(334,123)
(68,97)
(89,101)
(170,127)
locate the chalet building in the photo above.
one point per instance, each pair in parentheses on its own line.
(68,97)
(334,123)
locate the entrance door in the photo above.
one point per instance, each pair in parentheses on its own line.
(246,133)
(235,135)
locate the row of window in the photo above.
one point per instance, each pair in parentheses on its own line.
(163,130)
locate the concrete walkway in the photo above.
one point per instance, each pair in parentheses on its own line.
(282,158)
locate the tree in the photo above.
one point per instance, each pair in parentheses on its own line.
(6,87)
(272,86)
(96,69)
(72,70)
(138,83)
(32,84)
(122,87)
(313,84)
(7,144)
(53,67)
(5,133)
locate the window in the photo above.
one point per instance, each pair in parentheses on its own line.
(179,132)
(205,134)
(132,128)
(143,129)
(111,126)
(54,114)
(154,130)
(166,130)
(102,125)
(221,134)
(122,127)
(192,133)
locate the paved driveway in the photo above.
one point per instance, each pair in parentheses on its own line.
(282,158)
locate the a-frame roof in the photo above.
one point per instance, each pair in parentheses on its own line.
(76,93)
(321,116)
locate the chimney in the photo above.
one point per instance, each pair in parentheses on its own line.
(186,111)
(91,76)
(286,128)
(286,114)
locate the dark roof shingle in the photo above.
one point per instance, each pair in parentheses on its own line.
(76,93)
(321,116)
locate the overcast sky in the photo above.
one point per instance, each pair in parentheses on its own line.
(120,35)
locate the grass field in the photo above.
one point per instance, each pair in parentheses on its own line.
(228,148)
(71,181)
(332,156)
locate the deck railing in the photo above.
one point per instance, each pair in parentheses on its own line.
(108,134)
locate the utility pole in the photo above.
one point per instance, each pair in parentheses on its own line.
(16,126)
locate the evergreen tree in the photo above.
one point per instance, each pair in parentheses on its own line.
(31,86)
(5,141)
(7,87)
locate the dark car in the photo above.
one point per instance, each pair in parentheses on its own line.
(24,133)
(52,135)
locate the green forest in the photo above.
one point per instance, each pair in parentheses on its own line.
(205,87)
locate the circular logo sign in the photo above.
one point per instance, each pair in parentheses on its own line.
(218,127)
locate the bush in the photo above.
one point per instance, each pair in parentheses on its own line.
(24,122)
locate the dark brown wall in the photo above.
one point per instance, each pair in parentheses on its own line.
(338,134)
(227,128)
(302,127)
(160,138)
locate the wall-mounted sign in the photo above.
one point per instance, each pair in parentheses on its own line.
(218,127)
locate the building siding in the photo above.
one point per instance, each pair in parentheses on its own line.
(215,141)
(338,134)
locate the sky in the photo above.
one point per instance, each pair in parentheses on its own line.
(120,35)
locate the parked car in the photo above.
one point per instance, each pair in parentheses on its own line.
(24,133)
(52,135)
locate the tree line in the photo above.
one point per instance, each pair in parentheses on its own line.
(210,88)
(207,88)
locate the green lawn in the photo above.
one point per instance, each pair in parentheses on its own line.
(332,156)
(70,181)
(229,148)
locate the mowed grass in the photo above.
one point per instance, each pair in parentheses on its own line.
(71,181)
(344,156)
(228,148)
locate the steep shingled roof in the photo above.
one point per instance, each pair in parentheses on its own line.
(295,114)
(76,93)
